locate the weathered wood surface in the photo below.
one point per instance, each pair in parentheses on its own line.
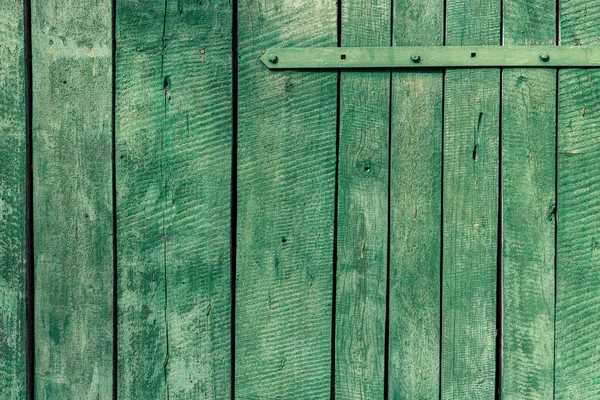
(528,201)
(12,201)
(72,138)
(436,155)
(416,194)
(470,208)
(578,264)
(285,221)
(362,243)
(173,152)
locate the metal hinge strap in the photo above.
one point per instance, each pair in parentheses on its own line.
(432,57)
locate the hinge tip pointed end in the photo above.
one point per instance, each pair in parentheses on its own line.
(265,60)
(270,59)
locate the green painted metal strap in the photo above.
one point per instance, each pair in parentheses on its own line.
(432,57)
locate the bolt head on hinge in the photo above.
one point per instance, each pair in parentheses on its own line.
(545,57)
(415,57)
(273,59)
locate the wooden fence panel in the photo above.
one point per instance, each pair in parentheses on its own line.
(72,194)
(362,243)
(173,154)
(416,196)
(470,207)
(528,202)
(578,264)
(12,201)
(285,214)
(204,227)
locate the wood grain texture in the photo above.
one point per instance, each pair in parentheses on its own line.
(72,92)
(286,186)
(416,194)
(12,201)
(362,209)
(528,201)
(578,264)
(173,144)
(470,208)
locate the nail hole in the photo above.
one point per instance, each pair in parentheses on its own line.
(367,169)
(343,56)
(283,240)
(473,55)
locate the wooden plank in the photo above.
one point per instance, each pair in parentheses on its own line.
(528,202)
(286,185)
(173,144)
(72,109)
(578,263)
(416,194)
(12,201)
(470,207)
(362,209)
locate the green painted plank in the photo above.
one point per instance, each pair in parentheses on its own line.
(470,208)
(416,193)
(362,209)
(72,194)
(578,263)
(173,144)
(286,185)
(528,201)
(12,201)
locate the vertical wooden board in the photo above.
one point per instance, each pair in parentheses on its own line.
(528,201)
(12,201)
(362,209)
(416,193)
(286,185)
(578,263)
(470,207)
(173,145)
(72,193)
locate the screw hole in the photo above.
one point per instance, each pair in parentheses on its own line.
(473,55)
(343,56)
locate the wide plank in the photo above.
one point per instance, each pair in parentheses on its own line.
(173,152)
(528,204)
(12,201)
(72,195)
(470,207)
(416,196)
(578,231)
(285,214)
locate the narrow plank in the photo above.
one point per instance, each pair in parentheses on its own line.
(528,202)
(362,209)
(12,201)
(416,194)
(578,263)
(173,143)
(72,141)
(286,185)
(470,207)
